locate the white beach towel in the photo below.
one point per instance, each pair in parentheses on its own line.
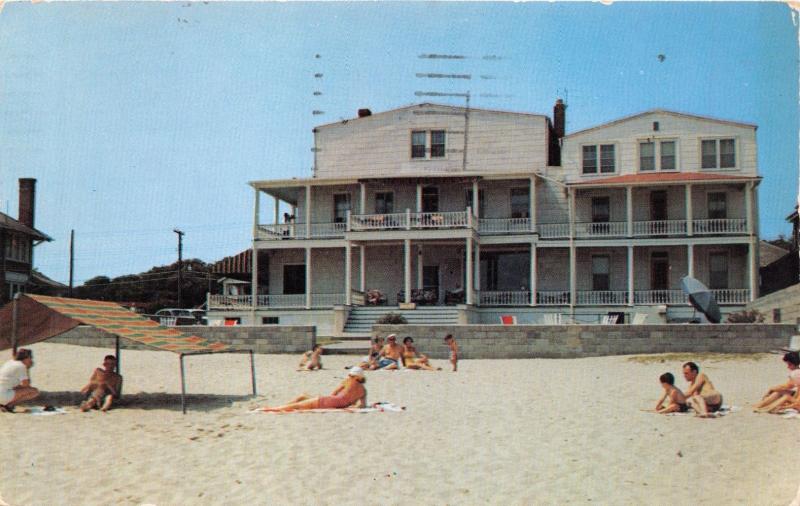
(724,410)
(378,407)
(39,411)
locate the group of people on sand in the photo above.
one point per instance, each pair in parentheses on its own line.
(700,395)
(352,393)
(706,400)
(390,355)
(104,385)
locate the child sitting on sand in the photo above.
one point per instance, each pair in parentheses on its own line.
(677,401)
(451,343)
(311,359)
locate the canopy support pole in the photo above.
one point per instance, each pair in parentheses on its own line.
(252,372)
(116,347)
(14,325)
(183,387)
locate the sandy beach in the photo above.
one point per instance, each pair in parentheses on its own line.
(496,432)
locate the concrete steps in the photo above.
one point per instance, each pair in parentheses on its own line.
(362,319)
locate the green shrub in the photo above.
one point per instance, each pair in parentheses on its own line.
(745,316)
(391,319)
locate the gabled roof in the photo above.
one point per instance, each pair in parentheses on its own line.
(662,111)
(9,223)
(455,108)
(662,177)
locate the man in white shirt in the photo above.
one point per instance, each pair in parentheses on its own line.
(15,385)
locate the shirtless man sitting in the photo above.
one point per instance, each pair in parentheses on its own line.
(701,394)
(103,387)
(391,354)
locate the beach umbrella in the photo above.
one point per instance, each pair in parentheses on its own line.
(701,298)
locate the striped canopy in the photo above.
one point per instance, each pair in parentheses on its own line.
(40,317)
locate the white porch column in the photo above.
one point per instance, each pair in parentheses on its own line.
(362,273)
(419,197)
(533,273)
(308,277)
(256,212)
(690,260)
(532,203)
(752,268)
(407,270)
(629,209)
(571,205)
(308,211)
(630,275)
(476,280)
(348,273)
(572,274)
(419,266)
(254,281)
(277,209)
(689,220)
(469,271)
(475,202)
(363,201)
(748,207)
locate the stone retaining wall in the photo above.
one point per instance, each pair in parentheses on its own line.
(786,301)
(261,339)
(570,341)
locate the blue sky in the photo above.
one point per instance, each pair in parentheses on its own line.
(137,118)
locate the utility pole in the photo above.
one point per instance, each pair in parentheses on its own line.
(180,266)
(71,258)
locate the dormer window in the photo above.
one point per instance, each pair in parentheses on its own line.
(419,144)
(718,154)
(606,161)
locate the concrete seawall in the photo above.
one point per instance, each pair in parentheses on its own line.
(261,339)
(571,341)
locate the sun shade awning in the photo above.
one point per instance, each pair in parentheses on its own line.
(40,317)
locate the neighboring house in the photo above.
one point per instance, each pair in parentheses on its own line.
(18,237)
(499,213)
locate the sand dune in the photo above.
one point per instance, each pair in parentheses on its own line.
(496,432)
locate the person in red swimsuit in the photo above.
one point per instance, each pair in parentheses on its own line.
(350,392)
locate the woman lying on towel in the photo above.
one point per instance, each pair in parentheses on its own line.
(785,395)
(350,392)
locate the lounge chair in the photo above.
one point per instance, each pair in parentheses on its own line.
(507,319)
(610,319)
(552,319)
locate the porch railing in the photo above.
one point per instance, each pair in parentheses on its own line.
(390,221)
(504,225)
(357,298)
(659,227)
(552,297)
(553,230)
(651,297)
(732,296)
(720,226)
(504,298)
(282,231)
(327,299)
(601,297)
(604,229)
(282,301)
(456,219)
(327,229)
(232,302)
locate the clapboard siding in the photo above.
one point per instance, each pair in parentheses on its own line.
(687,131)
(380,145)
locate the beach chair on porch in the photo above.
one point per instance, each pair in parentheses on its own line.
(610,319)
(507,319)
(552,319)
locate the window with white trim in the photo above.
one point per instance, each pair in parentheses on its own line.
(602,157)
(18,248)
(717,205)
(718,153)
(718,271)
(657,155)
(384,202)
(601,273)
(420,140)
(437,143)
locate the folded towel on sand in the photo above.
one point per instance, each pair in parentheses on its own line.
(378,407)
(790,413)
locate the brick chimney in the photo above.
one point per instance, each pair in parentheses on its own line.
(27,197)
(363,113)
(559,118)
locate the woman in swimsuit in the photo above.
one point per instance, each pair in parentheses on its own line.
(701,394)
(785,395)
(677,401)
(350,392)
(413,359)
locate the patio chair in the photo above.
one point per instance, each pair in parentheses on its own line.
(610,319)
(552,319)
(507,319)
(639,318)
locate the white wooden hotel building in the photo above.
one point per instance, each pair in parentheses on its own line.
(476,213)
